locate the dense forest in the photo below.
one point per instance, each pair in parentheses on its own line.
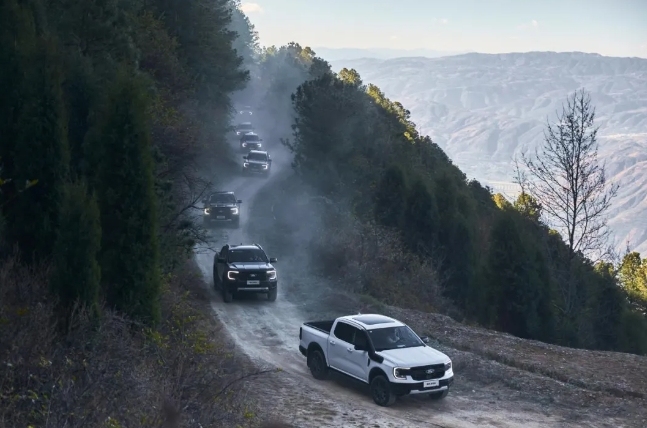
(114,123)
(114,118)
(484,259)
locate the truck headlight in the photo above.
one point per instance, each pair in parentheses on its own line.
(231,275)
(259,145)
(400,372)
(245,165)
(234,211)
(264,166)
(207,210)
(448,366)
(244,144)
(271,275)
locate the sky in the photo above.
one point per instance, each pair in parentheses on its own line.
(607,27)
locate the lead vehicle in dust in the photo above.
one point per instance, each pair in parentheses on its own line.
(244,268)
(380,351)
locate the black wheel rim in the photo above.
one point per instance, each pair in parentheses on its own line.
(379,390)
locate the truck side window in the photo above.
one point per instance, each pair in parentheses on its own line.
(360,337)
(344,332)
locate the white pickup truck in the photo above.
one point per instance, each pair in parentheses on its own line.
(377,350)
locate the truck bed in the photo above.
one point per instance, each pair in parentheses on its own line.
(323,326)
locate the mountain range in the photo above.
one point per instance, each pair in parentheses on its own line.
(483,109)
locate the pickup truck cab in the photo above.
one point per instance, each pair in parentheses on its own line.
(379,351)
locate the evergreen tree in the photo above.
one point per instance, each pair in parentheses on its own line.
(420,218)
(119,149)
(34,134)
(390,197)
(77,274)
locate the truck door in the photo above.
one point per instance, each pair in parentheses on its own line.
(338,343)
(342,353)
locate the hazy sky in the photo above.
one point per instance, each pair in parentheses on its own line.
(608,27)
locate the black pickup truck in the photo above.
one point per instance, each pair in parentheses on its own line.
(250,141)
(221,207)
(244,268)
(257,162)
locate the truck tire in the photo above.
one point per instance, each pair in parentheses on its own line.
(227,296)
(271,296)
(439,395)
(381,391)
(216,280)
(317,365)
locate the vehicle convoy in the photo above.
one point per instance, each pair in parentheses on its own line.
(222,207)
(377,350)
(244,268)
(250,141)
(243,128)
(257,162)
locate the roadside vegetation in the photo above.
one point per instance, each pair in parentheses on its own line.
(114,117)
(400,222)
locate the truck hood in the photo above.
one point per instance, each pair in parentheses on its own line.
(251,266)
(257,162)
(221,206)
(414,357)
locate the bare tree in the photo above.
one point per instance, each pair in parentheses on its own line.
(568,180)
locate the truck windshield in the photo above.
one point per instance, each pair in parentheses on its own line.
(245,126)
(257,157)
(246,255)
(394,338)
(251,137)
(222,198)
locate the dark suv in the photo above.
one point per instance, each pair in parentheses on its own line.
(244,268)
(257,162)
(244,128)
(222,207)
(250,141)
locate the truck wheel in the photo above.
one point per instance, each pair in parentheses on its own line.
(227,296)
(317,365)
(271,296)
(216,280)
(381,391)
(439,395)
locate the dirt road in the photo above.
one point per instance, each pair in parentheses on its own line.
(268,333)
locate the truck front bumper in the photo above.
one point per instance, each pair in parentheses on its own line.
(242,286)
(419,387)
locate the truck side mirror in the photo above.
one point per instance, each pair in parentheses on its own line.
(239,201)
(273,260)
(425,339)
(221,259)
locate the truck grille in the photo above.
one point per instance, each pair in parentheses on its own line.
(259,275)
(420,373)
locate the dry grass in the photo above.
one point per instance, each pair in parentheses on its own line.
(116,373)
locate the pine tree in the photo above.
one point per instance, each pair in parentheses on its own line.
(390,197)
(119,149)
(77,274)
(420,218)
(34,134)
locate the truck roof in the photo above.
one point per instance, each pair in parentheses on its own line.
(372,321)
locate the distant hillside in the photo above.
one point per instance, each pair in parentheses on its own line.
(482,109)
(336,54)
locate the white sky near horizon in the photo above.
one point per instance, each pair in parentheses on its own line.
(607,27)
